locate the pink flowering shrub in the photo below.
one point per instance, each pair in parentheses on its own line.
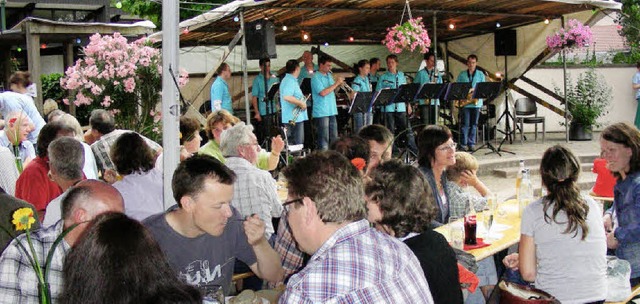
(575,35)
(407,36)
(121,77)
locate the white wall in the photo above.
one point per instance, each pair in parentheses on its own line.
(51,64)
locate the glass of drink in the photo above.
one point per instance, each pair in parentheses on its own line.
(487,221)
(470,229)
(456,232)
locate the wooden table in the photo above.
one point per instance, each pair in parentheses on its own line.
(509,237)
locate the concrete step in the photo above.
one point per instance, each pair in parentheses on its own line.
(488,166)
(511,172)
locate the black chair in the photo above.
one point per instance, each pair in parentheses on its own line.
(527,113)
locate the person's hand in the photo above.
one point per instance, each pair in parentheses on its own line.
(110,176)
(277,145)
(512,261)
(608,222)
(254,229)
(612,242)
(302,105)
(257,116)
(409,110)
(469,178)
(339,81)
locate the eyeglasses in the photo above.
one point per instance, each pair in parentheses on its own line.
(293,201)
(451,147)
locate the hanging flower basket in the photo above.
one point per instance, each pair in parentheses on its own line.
(407,36)
(575,35)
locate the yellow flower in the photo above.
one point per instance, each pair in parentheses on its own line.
(23,218)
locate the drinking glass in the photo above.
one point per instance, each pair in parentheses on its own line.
(456,232)
(487,221)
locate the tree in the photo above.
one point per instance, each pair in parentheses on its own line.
(152,10)
(629,20)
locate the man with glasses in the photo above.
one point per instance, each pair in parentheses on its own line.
(350,262)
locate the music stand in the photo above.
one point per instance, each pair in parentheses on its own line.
(457,91)
(406,93)
(430,91)
(271,114)
(381,99)
(361,102)
(488,91)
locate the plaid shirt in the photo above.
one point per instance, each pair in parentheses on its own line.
(291,257)
(254,192)
(459,200)
(360,265)
(102,147)
(18,281)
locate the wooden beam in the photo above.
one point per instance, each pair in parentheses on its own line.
(42,29)
(542,88)
(68,62)
(317,50)
(33,63)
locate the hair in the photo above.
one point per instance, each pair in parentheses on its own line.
(118,261)
(49,106)
(332,182)
(50,132)
(351,146)
(66,157)
(625,134)
(53,115)
(428,55)
(560,170)
(88,194)
(324,59)
(638,65)
(21,78)
(131,154)
(102,121)
(190,175)
(189,126)
(472,56)
(361,64)
(428,140)
(220,116)
(464,161)
(374,60)
(234,137)
(262,61)
(72,122)
(291,66)
(404,196)
(223,67)
(377,133)
(392,56)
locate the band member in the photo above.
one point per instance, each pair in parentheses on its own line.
(262,108)
(308,68)
(373,73)
(396,113)
(220,97)
(292,104)
(361,83)
(324,103)
(429,75)
(470,112)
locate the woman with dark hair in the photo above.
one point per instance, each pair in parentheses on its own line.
(17,100)
(437,151)
(400,203)
(620,147)
(361,83)
(141,183)
(355,149)
(562,244)
(118,261)
(189,136)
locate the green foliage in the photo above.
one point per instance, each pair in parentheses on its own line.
(631,57)
(629,19)
(588,99)
(153,11)
(51,87)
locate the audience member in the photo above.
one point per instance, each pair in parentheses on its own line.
(141,183)
(8,171)
(380,140)
(562,243)
(66,159)
(16,130)
(190,135)
(117,261)
(17,100)
(34,185)
(212,230)
(461,175)
(18,281)
(351,262)
(8,205)
(400,203)
(90,168)
(355,149)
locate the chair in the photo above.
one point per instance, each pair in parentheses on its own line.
(527,113)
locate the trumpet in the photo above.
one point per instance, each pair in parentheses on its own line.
(296,112)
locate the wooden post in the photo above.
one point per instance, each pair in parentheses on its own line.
(33,63)
(68,62)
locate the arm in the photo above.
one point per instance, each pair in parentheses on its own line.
(527,260)
(277,145)
(472,180)
(328,90)
(295,101)
(268,264)
(254,104)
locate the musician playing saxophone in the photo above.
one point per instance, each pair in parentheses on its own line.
(324,111)
(291,98)
(470,112)
(428,75)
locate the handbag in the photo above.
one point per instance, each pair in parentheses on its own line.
(512,293)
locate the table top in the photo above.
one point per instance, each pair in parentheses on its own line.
(506,217)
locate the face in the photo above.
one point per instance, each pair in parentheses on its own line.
(251,150)
(326,67)
(210,209)
(266,68)
(21,127)
(307,57)
(226,74)
(378,153)
(217,130)
(365,69)
(193,145)
(299,228)
(391,65)
(431,62)
(471,64)
(446,154)
(617,155)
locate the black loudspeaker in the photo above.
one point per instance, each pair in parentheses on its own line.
(261,39)
(506,43)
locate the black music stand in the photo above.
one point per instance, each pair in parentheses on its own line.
(361,102)
(381,99)
(406,94)
(488,91)
(271,114)
(430,91)
(457,91)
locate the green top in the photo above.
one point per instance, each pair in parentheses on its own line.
(212,148)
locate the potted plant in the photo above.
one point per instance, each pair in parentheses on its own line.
(588,99)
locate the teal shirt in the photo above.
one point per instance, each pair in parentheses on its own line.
(323,106)
(258,91)
(361,84)
(388,81)
(427,76)
(290,87)
(304,73)
(220,91)
(373,77)
(477,76)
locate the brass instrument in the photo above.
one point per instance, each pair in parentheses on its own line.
(468,101)
(296,112)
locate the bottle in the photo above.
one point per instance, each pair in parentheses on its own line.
(525,192)
(470,225)
(519,178)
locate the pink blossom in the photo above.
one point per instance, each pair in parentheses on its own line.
(129,84)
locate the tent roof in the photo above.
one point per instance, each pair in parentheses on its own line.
(334,21)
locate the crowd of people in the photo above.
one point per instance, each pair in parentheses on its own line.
(356,227)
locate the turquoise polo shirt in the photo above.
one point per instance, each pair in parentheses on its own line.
(361,84)
(304,73)
(388,81)
(424,76)
(373,77)
(220,91)
(474,78)
(258,91)
(323,106)
(290,87)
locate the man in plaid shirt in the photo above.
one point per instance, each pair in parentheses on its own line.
(18,281)
(351,262)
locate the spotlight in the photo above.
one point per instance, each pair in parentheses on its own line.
(546,21)
(236,19)
(305,36)
(118,5)
(284,28)
(351,39)
(452,26)
(43,46)
(498,75)
(326,44)
(498,24)
(19,49)
(78,41)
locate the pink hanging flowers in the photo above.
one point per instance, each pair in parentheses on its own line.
(407,36)
(575,35)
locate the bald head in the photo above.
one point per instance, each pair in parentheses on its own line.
(307,57)
(89,198)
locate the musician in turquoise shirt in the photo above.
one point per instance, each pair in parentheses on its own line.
(308,68)
(325,109)
(428,75)
(361,83)
(220,96)
(290,98)
(263,110)
(374,64)
(471,112)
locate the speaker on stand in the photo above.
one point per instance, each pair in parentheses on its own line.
(261,39)
(506,44)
